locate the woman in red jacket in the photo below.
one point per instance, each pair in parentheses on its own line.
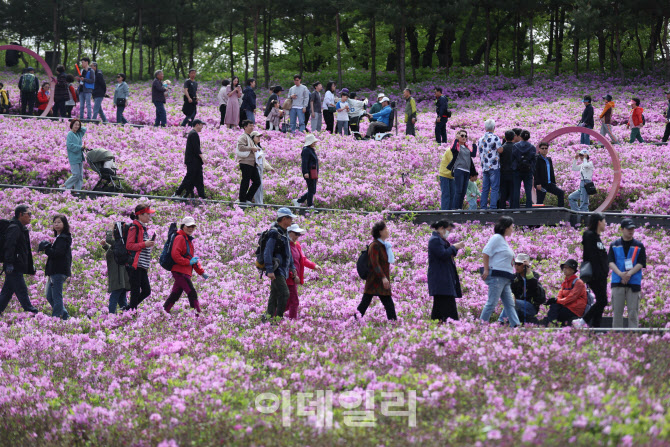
(185,260)
(300,261)
(43,97)
(139,245)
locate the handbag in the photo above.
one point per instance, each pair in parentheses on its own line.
(589,187)
(586,271)
(313,173)
(120,102)
(332,109)
(288,104)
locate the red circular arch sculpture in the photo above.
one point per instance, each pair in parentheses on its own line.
(44,65)
(616,165)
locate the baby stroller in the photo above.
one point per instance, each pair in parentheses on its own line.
(102,162)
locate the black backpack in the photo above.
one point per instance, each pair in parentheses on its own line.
(260,250)
(4,226)
(524,163)
(121,254)
(27,83)
(363,264)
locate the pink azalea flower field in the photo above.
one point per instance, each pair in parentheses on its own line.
(146,378)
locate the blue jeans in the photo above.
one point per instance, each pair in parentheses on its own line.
(585,137)
(119,114)
(15,284)
(461,179)
(491,182)
(161,115)
(76,181)
(97,108)
(579,196)
(499,289)
(448,191)
(297,114)
(342,128)
(118,296)
(85,100)
(472,203)
(524,310)
(55,296)
(250,115)
(527,179)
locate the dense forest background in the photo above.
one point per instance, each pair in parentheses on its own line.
(260,38)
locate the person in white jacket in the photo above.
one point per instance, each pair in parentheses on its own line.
(261,164)
(579,200)
(222,97)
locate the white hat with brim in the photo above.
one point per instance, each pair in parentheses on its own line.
(255,133)
(310,139)
(385,98)
(188,221)
(522,258)
(295,228)
(584,152)
(381,95)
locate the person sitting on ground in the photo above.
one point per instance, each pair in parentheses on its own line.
(528,294)
(571,301)
(43,97)
(5,104)
(545,178)
(381,119)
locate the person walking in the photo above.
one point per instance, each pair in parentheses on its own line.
(222,97)
(300,262)
(261,165)
(139,246)
(447,184)
(43,98)
(606,119)
(489,153)
(410,112)
(666,114)
(28,86)
(158,95)
(498,273)
(279,265)
(635,121)
(61,92)
(190,107)
(545,178)
(595,255)
(310,171)
(194,161)
(99,93)
(17,260)
(233,107)
(462,167)
(249,101)
(329,106)
(506,172)
(299,94)
(246,156)
(86,86)
(378,282)
(120,99)
(443,282)
(441,108)
(587,119)
(524,158)
(118,282)
(527,291)
(185,261)
(579,200)
(75,155)
(270,104)
(627,257)
(59,264)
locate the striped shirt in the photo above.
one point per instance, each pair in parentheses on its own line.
(145,255)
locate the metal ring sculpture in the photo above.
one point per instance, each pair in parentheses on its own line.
(616,165)
(44,65)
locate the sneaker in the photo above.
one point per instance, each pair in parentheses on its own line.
(295,202)
(579,323)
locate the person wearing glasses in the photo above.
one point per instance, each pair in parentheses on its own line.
(17,260)
(527,291)
(462,167)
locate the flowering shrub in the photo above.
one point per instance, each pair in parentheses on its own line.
(147,378)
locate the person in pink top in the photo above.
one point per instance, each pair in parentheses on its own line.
(300,261)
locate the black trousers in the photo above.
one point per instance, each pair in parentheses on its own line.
(595,315)
(329,118)
(559,313)
(59,109)
(222,109)
(441,131)
(387,301)
(666,134)
(249,174)
(444,306)
(551,189)
(506,188)
(27,103)
(140,288)
(192,179)
(311,190)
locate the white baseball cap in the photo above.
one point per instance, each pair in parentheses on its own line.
(381,95)
(188,221)
(522,258)
(285,212)
(584,152)
(295,228)
(385,98)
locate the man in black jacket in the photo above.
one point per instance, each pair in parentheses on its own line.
(441,107)
(190,107)
(587,119)
(527,291)
(17,260)
(194,161)
(99,92)
(506,172)
(545,179)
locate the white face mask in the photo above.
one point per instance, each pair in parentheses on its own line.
(446,234)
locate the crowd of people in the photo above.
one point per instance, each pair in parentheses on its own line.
(510,278)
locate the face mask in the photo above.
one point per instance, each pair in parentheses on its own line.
(446,234)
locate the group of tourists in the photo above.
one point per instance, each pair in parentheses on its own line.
(509,276)
(635,120)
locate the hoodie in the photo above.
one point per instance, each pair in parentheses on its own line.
(524,148)
(607,112)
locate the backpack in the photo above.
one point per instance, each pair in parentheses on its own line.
(644,120)
(590,297)
(262,243)
(166,261)
(524,163)
(4,226)
(121,254)
(363,264)
(27,83)
(62,89)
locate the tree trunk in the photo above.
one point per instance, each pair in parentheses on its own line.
(401,48)
(602,50)
(558,38)
(465,38)
(413,50)
(532,52)
(339,54)
(497,51)
(653,40)
(66,53)
(430,47)
(256,18)
(139,42)
(588,52)
(191,49)
(55,34)
(125,42)
(266,49)
(246,53)
(487,54)
(618,40)
(575,53)
(373,53)
(666,45)
(301,53)
(550,48)
(81,26)
(232,60)
(639,47)
(132,53)
(515,44)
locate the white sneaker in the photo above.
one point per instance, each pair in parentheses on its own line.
(295,202)
(579,323)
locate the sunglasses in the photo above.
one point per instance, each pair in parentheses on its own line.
(463,136)
(519,263)
(190,226)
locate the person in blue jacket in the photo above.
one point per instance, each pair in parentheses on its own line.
(382,119)
(279,263)
(441,108)
(249,101)
(86,86)
(443,282)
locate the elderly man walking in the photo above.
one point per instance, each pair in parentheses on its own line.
(490,148)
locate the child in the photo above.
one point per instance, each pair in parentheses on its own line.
(342,108)
(4,99)
(472,193)
(43,97)
(635,121)
(117,275)
(275,115)
(300,261)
